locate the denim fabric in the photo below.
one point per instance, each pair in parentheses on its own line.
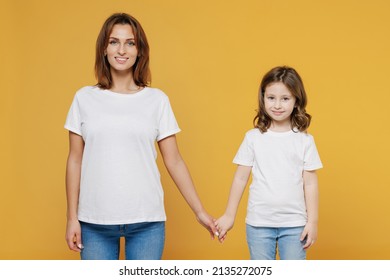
(264,241)
(143,241)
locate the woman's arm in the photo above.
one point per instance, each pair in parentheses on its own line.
(310,184)
(73,172)
(240,180)
(182,178)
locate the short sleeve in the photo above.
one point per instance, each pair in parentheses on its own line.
(73,120)
(167,124)
(245,154)
(312,159)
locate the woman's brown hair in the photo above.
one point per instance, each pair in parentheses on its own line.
(141,71)
(300,120)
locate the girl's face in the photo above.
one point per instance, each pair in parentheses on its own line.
(279,104)
(121,50)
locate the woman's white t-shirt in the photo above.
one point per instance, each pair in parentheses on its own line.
(120,182)
(278,159)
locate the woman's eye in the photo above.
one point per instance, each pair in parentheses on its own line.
(131,43)
(113,42)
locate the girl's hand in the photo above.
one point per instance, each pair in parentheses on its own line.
(207,221)
(73,236)
(224,224)
(310,233)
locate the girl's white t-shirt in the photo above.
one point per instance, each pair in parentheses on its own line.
(120,181)
(278,159)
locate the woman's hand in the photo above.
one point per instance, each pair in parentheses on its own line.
(73,236)
(208,222)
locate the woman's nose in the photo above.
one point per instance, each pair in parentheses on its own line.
(122,49)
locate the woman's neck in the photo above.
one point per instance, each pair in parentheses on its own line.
(123,82)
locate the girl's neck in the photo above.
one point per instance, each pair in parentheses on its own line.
(123,82)
(280,127)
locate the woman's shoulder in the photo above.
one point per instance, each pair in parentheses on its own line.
(157,92)
(86,90)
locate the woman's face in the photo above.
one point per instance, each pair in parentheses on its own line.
(121,49)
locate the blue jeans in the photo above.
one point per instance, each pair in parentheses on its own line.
(263,242)
(143,241)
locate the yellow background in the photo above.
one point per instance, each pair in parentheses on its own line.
(209,57)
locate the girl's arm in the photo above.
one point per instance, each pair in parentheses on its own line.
(182,178)
(240,180)
(310,182)
(73,172)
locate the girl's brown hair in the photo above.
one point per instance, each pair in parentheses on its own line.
(141,71)
(300,120)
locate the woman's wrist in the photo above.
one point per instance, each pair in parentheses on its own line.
(72,217)
(199,211)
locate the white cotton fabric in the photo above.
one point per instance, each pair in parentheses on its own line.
(120,182)
(278,159)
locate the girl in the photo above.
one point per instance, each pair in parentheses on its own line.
(283,199)
(112,180)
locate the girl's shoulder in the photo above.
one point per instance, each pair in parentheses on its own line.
(306,138)
(253,132)
(306,135)
(303,135)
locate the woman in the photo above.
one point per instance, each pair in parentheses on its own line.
(112,180)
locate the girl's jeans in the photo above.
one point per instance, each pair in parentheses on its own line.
(264,241)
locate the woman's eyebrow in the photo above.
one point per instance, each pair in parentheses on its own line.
(111,37)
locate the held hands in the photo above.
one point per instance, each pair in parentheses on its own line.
(224,224)
(73,236)
(310,233)
(208,222)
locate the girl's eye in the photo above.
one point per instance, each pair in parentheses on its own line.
(270,98)
(286,99)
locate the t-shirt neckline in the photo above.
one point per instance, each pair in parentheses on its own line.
(280,133)
(125,95)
